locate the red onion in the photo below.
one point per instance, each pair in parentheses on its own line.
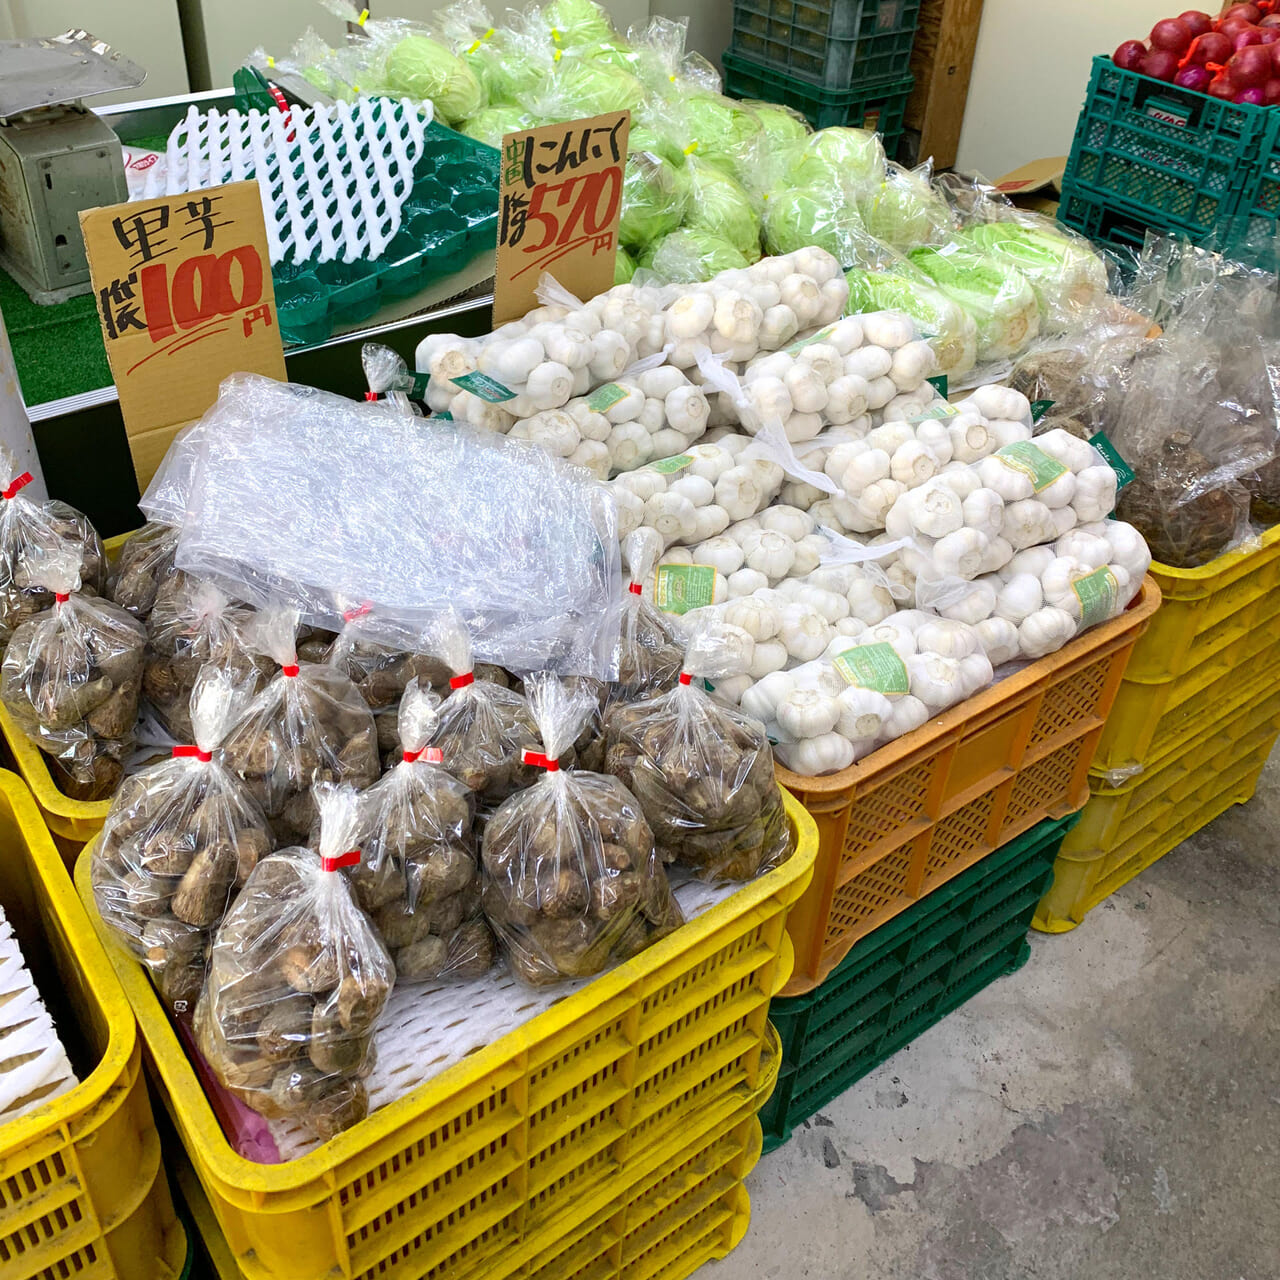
(1249,12)
(1213,46)
(1234,27)
(1171,34)
(1129,56)
(1271,20)
(1271,93)
(1243,40)
(1196,78)
(1251,97)
(1160,64)
(1275,59)
(1270,35)
(1249,68)
(1196,22)
(1221,87)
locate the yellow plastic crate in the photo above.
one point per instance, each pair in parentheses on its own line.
(82,1193)
(1124,829)
(525,1138)
(919,811)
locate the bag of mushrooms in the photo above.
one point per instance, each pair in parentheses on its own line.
(419,879)
(571,879)
(702,771)
(297,979)
(193,622)
(145,563)
(484,727)
(181,837)
(649,655)
(29,532)
(308,725)
(72,676)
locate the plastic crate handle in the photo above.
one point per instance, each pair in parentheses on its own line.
(1167,111)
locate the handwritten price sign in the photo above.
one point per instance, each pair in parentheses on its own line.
(561,198)
(183,286)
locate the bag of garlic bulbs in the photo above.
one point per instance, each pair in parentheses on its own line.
(702,771)
(572,882)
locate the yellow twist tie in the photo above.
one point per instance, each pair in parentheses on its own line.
(363,18)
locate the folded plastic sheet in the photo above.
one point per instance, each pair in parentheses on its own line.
(286,492)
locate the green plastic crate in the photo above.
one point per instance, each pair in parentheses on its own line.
(881,107)
(828,42)
(1110,222)
(1180,159)
(907,975)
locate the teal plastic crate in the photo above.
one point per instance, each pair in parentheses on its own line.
(828,42)
(907,975)
(1181,159)
(451,215)
(1112,223)
(881,108)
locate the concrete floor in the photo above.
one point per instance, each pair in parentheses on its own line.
(1109,1112)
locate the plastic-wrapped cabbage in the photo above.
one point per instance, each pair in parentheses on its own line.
(725,131)
(795,217)
(690,254)
(657,141)
(1067,276)
(852,158)
(653,199)
(578,22)
(781,124)
(420,67)
(949,327)
(905,211)
(783,133)
(718,206)
(580,88)
(1001,302)
(490,123)
(624,267)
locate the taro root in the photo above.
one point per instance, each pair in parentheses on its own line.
(31,531)
(572,882)
(144,564)
(1264,492)
(702,773)
(309,725)
(418,877)
(649,655)
(297,979)
(181,837)
(71,679)
(193,623)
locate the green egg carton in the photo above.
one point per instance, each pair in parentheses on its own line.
(451,215)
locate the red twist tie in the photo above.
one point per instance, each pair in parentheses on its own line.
(371,395)
(18,482)
(428,755)
(291,670)
(461,682)
(62,596)
(349,859)
(358,612)
(540,761)
(635,588)
(685,678)
(193,753)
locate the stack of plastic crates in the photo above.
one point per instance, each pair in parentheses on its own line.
(607,1136)
(1196,717)
(839,62)
(907,975)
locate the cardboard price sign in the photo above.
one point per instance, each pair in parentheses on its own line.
(561,197)
(183,286)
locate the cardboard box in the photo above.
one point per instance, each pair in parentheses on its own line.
(1036,186)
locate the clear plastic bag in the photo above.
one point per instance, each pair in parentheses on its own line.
(145,562)
(386,373)
(72,676)
(297,979)
(420,515)
(484,728)
(181,837)
(702,771)
(309,725)
(419,877)
(193,623)
(29,531)
(905,210)
(571,879)
(649,656)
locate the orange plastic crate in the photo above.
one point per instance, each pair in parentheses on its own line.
(917,812)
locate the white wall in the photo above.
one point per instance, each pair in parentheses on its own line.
(1031,73)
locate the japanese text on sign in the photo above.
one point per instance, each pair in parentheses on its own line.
(561,198)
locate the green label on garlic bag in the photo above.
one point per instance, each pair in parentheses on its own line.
(935,412)
(799,345)
(873,666)
(678,588)
(1098,593)
(1033,462)
(939,381)
(1039,408)
(668,466)
(1124,472)
(605,397)
(483,386)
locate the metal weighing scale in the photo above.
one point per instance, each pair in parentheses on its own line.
(56,156)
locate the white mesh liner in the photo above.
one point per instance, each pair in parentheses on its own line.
(33,1064)
(335,191)
(425,1029)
